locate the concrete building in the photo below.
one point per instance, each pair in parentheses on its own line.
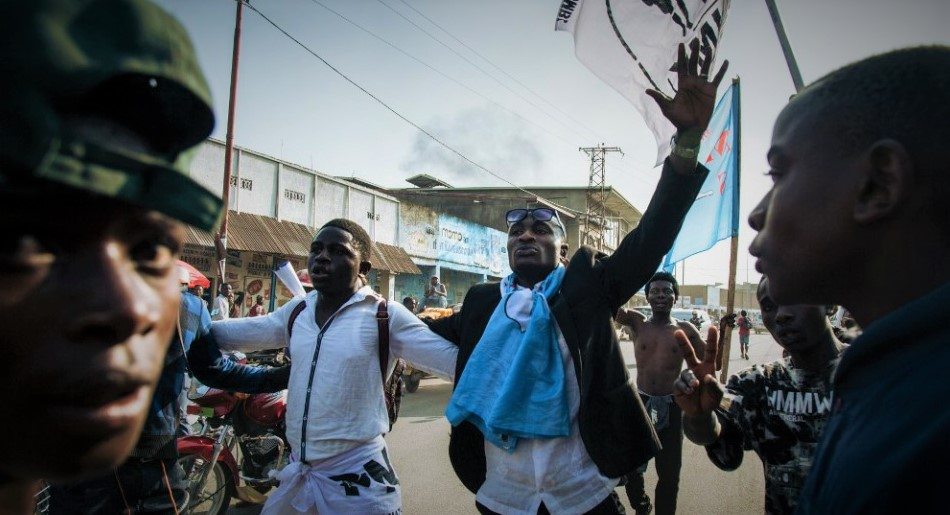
(274,209)
(487,206)
(457,234)
(715,297)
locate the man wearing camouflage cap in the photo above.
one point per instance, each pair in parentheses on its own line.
(100,103)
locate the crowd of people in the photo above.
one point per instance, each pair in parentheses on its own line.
(102,102)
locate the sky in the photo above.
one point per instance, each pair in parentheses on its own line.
(384,86)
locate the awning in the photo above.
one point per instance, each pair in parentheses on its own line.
(395,259)
(266,235)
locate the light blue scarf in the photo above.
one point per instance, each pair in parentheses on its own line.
(513,384)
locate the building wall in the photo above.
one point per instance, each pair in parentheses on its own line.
(330,201)
(266,186)
(418,230)
(716,297)
(254,185)
(295,202)
(451,242)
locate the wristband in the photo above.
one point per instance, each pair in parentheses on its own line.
(684,151)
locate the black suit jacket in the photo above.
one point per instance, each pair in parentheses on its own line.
(614,425)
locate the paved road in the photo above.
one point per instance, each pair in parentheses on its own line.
(419,448)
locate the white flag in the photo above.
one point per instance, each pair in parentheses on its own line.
(632,46)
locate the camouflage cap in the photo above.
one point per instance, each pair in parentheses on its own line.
(122,60)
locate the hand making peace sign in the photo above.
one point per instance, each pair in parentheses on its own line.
(696,391)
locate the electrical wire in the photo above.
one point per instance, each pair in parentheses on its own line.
(633,172)
(397,113)
(500,69)
(467,60)
(444,75)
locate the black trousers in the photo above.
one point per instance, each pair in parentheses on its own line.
(610,506)
(668,463)
(137,486)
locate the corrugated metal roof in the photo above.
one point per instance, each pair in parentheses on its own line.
(256,233)
(396,259)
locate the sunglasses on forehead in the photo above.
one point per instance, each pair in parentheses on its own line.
(540,214)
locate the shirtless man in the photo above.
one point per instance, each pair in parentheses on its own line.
(659,362)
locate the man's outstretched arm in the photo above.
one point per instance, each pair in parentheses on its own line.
(211,368)
(639,253)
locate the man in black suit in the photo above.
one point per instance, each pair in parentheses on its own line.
(545,418)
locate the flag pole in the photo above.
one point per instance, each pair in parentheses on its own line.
(786,47)
(734,243)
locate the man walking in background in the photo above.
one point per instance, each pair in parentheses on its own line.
(659,362)
(745,330)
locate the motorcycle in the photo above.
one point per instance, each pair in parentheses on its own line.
(411,377)
(233,424)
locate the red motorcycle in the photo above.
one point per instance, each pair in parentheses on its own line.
(233,424)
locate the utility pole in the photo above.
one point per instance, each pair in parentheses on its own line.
(596,195)
(221,239)
(786,47)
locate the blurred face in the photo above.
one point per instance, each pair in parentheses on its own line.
(797,327)
(335,263)
(434,281)
(661,296)
(88,307)
(804,238)
(533,248)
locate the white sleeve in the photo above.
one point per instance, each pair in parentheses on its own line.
(412,340)
(254,333)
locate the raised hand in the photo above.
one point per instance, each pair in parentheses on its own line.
(696,391)
(690,110)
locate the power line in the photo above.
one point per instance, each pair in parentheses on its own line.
(397,113)
(446,76)
(635,173)
(477,67)
(506,74)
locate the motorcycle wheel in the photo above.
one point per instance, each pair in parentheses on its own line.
(214,496)
(412,382)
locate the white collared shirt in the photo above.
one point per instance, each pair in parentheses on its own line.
(335,400)
(556,471)
(222,308)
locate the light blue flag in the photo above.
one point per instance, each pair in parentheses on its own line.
(715,212)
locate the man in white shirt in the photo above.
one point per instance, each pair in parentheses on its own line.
(222,303)
(336,410)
